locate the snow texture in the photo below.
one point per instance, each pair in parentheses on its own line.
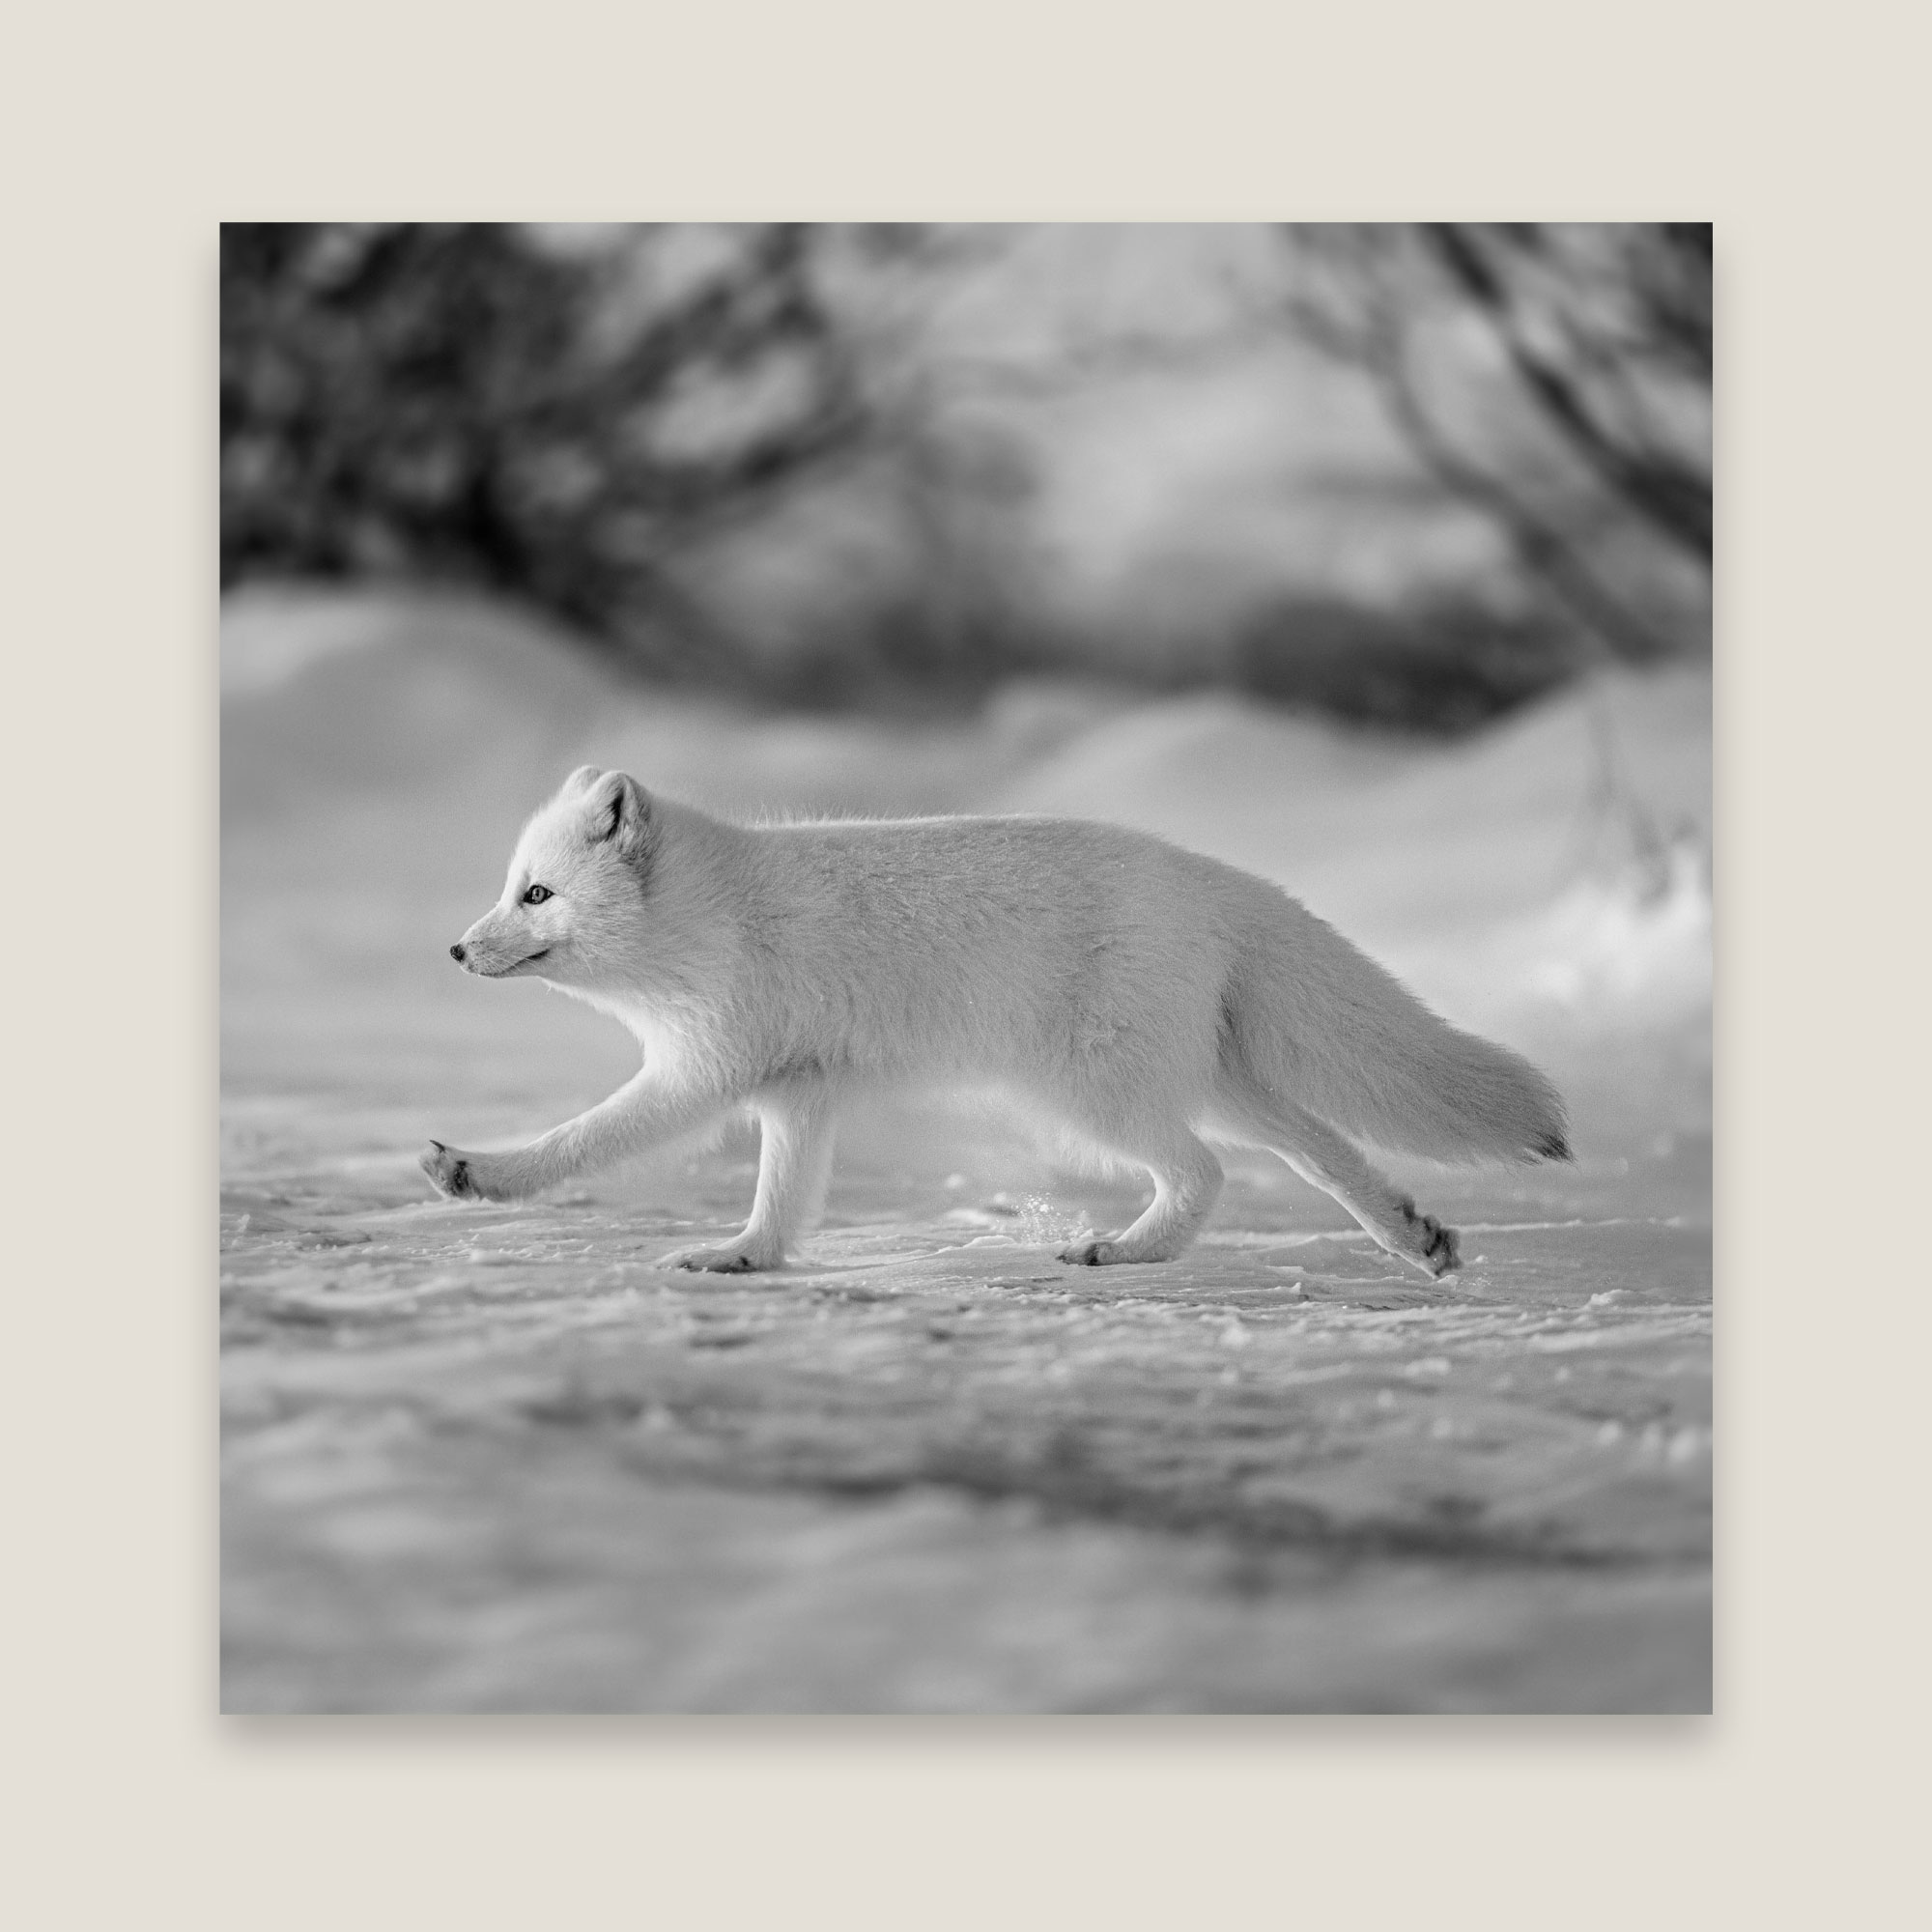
(482,1458)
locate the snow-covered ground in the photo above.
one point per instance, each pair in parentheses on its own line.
(483,1458)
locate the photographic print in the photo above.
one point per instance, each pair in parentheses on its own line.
(966,969)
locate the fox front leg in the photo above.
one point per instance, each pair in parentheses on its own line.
(794,1164)
(462,1176)
(513,1174)
(640,1114)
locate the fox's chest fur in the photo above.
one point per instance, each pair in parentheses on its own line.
(1139,999)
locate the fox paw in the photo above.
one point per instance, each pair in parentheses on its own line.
(718,1261)
(450,1171)
(1429,1244)
(1104,1254)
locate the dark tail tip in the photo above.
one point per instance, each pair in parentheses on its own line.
(1553,1147)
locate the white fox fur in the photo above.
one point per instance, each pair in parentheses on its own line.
(1136,1000)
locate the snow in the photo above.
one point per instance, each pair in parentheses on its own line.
(490,1458)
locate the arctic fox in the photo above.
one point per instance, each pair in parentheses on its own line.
(1137,1000)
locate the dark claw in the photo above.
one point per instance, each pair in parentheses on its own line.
(456,1182)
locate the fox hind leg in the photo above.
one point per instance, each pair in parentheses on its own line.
(1186,1184)
(1325,1160)
(794,1166)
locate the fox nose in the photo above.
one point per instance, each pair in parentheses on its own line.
(456,953)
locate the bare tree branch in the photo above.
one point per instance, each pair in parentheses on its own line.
(444,399)
(1665,494)
(1372,333)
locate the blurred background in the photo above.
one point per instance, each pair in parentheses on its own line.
(1411,476)
(1376,561)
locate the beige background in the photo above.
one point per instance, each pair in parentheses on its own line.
(131,132)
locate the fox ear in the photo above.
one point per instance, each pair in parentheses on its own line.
(617,808)
(580,779)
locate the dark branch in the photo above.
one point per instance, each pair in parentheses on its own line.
(1674,501)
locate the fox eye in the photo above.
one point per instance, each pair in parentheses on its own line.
(537,894)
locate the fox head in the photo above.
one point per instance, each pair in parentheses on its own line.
(574,907)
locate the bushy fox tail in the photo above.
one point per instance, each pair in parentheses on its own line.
(1318,1024)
